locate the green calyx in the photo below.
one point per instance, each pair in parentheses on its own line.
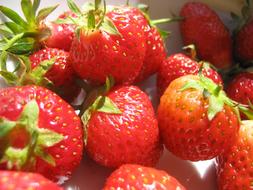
(39,139)
(30,28)
(97,101)
(217,97)
(23,74)
(91,18)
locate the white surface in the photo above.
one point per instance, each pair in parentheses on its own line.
(89,175)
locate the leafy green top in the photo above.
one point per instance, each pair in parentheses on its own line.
(217,97)
(39,139)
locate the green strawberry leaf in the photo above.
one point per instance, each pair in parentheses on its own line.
(29,115)
(73,7)
(192,85)
(9,77)
(13,16)
(15,28)
(109,83)
(43,13)
(15,157)
(3,60)
(27,8)
(37,75)
(6,126)
(91,20)
(48,138)
(22,47)
(44,156)
(164,34)
(215,106)
(36,4)
(109,27)
(106,105)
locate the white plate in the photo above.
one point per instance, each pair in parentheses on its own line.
(194,176)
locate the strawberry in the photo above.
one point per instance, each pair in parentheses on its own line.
(61,34)
(129,134)
(155,48)
(240,88)
(113,44)
(60,73)
(243,38)
(234,169)
(196,119)
(203,28)
(22,180)
(130,176)
(39,132)
(178,65)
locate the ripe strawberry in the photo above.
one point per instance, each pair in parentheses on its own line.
(129,135)
(178,65)
(240,88)
(235,167)
(155,48)
(61,34)
(203,28)
(60,73)
(22,180)
(39,133)
(138,177)
(195,119)
(116,47)
(243,38)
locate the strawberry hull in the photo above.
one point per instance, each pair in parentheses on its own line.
(55,115)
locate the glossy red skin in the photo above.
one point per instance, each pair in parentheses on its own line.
(178,65)
(185,128)
(240,88)
(203,27)
(244,43)
(62,35)
(130,176)
(54,114)
(61,73)
(98,54)
(155,48)
(130,137)
(22,180)
(234,169)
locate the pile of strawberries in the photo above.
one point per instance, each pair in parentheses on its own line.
(73,89)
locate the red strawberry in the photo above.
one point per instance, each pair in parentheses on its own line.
(235,165)
(129,135)
(39,132)
(118,50)
(240,88)
(155,48)
(60,73)
(203,28)
(178,65)
(61,34)
(244,43)
(21,180)
(194,119)
(138,177)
